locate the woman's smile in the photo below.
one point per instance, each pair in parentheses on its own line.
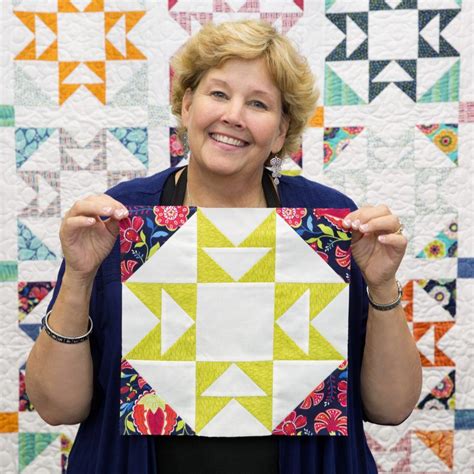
(228,140)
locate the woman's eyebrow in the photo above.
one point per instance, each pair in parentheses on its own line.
(221,82)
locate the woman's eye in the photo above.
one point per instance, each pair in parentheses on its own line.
(218,94)
(259,104)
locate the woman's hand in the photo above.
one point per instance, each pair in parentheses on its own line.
(86,239)
(377,246)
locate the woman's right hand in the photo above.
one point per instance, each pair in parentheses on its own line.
(86,239)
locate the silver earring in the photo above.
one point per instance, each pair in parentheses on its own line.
(275,166)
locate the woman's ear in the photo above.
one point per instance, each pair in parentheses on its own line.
(283,129)
(185,106)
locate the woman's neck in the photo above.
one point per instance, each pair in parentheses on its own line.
(223,191)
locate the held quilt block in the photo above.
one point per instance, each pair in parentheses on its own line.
(234,321)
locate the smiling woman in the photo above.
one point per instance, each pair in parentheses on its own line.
(242,94)
(235,122)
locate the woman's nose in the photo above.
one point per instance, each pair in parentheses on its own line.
(233,113)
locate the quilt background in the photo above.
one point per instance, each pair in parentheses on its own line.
(84,103)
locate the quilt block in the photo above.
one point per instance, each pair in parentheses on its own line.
(234,321)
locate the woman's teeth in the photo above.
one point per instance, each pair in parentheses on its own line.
(228,140)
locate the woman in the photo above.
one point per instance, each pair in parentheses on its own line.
(243,96)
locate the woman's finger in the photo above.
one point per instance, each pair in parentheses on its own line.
(98,206)
(397,241)
(79,222)
(387,224)
(365,214)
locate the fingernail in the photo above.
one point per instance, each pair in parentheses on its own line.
(356,224)
(91,220)
(347,222)
(120,213)
(381,238)
(107,210)
(364,227)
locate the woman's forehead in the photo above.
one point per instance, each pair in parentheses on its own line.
(251,74)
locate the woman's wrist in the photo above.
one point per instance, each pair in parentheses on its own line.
(79,281)
(385,293)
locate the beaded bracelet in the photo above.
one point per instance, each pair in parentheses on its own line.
(64,339)
(387,306)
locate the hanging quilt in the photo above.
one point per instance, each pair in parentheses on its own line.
(234,321)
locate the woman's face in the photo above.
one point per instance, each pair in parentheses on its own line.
(234,118)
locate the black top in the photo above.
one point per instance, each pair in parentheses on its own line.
(174,193)
(200,455)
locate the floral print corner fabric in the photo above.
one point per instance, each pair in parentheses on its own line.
(234,322)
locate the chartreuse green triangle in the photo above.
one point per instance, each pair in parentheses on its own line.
(207,408)
(149,294)
(185,294)
(260,408)
(286,295)
(208,235)
(263,270)
(320,348)
(260,372)
(264,235)
(184,348)
(284,348)
(207,373)
(209,271)
(321,294)
(149,348)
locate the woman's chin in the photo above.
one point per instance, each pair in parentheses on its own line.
(225,168)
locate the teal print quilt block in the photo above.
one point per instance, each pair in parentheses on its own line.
(234,321)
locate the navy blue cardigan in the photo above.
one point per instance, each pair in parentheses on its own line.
(100,449)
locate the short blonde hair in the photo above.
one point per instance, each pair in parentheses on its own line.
(249,39)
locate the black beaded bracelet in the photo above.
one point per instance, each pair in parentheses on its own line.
(388,306)
(65,339)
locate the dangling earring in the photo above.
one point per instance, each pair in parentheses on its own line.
(275,167)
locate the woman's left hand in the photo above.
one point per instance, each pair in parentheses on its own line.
(377,245)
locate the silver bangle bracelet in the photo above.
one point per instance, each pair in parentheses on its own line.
(64,339)
(387,306)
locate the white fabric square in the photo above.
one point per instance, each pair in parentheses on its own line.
(228,327)
(393,34)
(81,37)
